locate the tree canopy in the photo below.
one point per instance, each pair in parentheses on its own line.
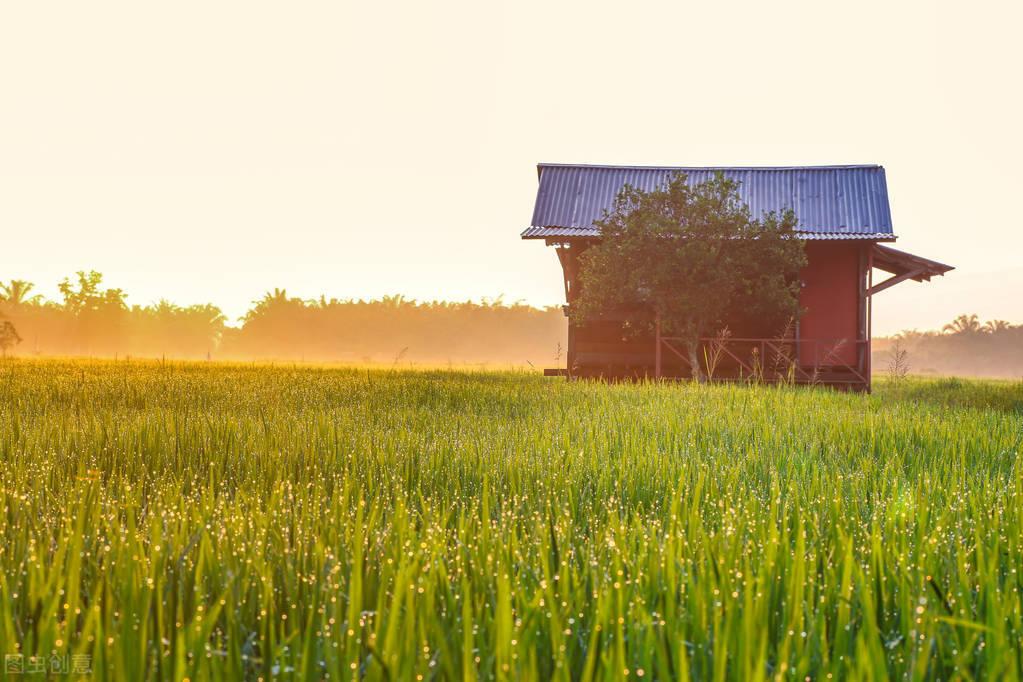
(693,258)
(91,319)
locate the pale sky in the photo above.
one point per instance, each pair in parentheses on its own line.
(209,151)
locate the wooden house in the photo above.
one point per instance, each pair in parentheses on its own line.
(845,220)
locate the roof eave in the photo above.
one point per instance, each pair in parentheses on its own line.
(910,265)
(576,233)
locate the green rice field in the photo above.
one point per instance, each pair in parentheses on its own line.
(211,521)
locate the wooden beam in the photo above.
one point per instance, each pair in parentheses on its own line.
(892,281)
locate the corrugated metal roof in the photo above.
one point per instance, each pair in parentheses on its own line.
(541,232)
(831,202)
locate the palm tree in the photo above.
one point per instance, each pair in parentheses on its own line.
(272,302)
(393,302)
(16,291)
(995,326)
(277,297)
(964,324)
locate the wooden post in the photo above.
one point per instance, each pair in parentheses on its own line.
(869,315)
(566,255)
(861,309)
(570,351)
(657,348)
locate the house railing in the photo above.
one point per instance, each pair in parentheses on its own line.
(778,359)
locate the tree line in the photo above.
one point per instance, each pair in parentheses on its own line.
(93,320)
(964,346)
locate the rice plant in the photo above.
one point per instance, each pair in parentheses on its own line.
(204,521)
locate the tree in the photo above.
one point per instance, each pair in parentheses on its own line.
(693,258)
(15,292)
(88,296)
(996,326)
(99,316)
(963,324)
(8,336)
(193,330)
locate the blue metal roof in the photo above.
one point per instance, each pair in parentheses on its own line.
(831,202)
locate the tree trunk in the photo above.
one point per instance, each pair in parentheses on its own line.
(693,346)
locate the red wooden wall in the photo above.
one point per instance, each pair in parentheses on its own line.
(831,330)
(830,297)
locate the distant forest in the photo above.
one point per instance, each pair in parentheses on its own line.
(91,320)
(964,347)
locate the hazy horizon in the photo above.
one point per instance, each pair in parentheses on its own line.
(38,295)
(94,322)
(235,315)
(207,152)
